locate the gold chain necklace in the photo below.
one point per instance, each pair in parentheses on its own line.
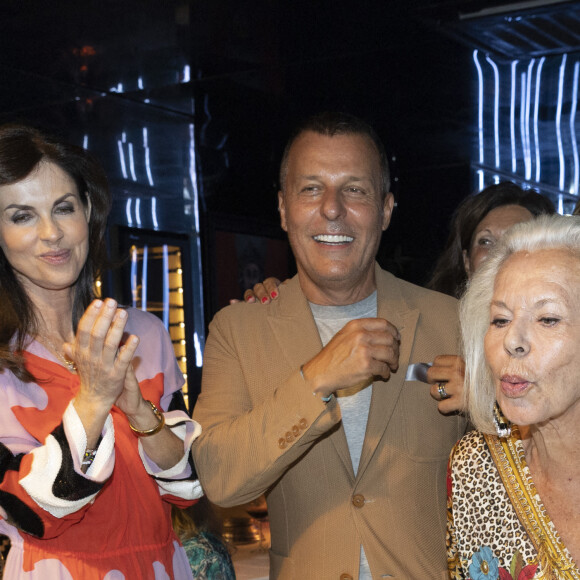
(70,365)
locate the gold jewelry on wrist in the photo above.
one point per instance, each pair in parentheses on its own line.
(148,432)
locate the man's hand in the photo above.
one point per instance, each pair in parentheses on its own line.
(363,349)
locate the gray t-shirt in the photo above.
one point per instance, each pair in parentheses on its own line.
(356,401)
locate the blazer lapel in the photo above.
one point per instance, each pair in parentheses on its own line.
(294,319)
(391,306)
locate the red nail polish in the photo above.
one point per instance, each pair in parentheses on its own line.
(273,294)
(264,300)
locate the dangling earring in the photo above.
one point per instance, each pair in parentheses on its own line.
(503,426)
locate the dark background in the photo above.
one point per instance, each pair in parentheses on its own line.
(206,93)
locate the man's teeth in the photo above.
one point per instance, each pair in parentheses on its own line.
(333,239)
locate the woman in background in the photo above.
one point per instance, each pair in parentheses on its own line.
(200,532)
(90,459)
(477,224)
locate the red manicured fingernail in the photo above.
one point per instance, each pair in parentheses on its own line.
(273,294)
(264,300)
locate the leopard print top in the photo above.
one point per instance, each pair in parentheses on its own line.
(486,538)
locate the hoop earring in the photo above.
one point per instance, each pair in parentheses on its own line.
(503,426)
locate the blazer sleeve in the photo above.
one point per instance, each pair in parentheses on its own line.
(258,415)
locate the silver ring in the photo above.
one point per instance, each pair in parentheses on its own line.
(442,392)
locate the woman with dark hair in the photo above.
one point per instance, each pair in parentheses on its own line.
(90,461)
(477,223)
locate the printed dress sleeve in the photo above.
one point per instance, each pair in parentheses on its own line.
(160,377)
(43,490)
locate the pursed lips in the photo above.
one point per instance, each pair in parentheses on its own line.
(514,385)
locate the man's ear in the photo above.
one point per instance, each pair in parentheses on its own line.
(282,210)
(388,205)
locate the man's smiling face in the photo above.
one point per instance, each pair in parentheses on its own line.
(334,211)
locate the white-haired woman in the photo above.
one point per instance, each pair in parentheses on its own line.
(514,483)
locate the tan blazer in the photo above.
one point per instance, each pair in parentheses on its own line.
(264,431)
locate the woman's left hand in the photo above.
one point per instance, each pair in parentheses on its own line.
(102,359)
(446,377)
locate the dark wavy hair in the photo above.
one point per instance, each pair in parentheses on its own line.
(22,149)
(331,124)
(449,275)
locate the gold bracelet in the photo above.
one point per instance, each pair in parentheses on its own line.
(147,433)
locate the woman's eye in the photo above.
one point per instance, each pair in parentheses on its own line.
(65,208)
(485,242)
(20,218)
(499,322)
(549,320)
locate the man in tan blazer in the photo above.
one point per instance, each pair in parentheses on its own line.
(306,399)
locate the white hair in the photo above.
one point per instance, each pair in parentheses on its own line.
(542,233)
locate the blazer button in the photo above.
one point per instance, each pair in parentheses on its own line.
(289,437)
(345,577)
(282,443)
(358,500)
(295,430)
(303,423)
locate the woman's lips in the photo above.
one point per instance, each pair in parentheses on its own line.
(56,258)
(514,386)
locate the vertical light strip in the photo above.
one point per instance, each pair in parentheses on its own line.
(147,156)
(122,158)
(536,113)
(165,287)
(528,107)
(527,161)
(85,141)
(132,162)
(198,291)
(128,212)
(574,188)
(495,109)
(134,266)
(193,175)
(154,212)
(138,211)
(144,277)
(559,122)
(513,116)
(479,106)
(198,350)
